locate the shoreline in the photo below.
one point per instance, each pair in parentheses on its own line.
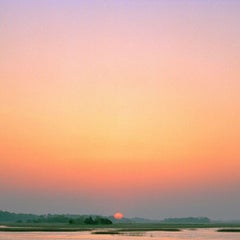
(108,229)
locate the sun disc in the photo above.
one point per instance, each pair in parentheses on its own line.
(118,215)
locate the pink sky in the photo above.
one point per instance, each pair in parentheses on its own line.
(128,106)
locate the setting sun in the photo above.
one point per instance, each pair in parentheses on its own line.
(118,215)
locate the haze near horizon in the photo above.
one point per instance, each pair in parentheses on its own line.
(129,106)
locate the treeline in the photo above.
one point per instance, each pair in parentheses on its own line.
(71,220)
(187,220)
(14,217)
(52,218)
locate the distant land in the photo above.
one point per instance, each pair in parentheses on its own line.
(97,224)
(11,217)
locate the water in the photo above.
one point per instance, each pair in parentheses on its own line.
(199,234)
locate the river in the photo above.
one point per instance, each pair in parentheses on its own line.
(198,234)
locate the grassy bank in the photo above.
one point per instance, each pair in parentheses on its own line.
(229,230)
(59,227)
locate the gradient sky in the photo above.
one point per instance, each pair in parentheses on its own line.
(120,105)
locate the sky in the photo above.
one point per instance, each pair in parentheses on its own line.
(120,105)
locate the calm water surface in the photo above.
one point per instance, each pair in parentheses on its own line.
(199,234)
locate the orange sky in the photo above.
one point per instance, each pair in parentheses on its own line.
(121,98)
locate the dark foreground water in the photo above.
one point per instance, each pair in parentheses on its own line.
(199,234)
